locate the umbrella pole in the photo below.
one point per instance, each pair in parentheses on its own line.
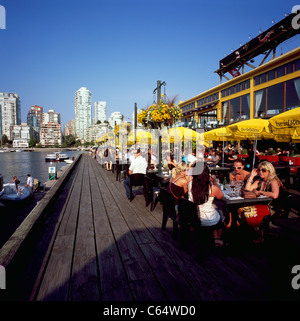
(159,154)
(223,152)
(254,151)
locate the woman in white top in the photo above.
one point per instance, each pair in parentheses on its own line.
(202,190)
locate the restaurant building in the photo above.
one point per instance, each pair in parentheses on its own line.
(266,90)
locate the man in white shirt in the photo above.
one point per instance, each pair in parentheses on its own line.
(138,166)
(191,158)
(29,183)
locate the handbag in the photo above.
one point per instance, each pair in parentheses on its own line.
(248,194)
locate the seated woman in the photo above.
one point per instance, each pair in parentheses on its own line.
(267,184)
(202,190)
(213,158)
(171,162)
(239,174)
(178,183)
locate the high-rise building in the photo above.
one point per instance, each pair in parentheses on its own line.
(83,112)
(100,111)
(51,117)
(21,135)
(10,113)
(69,128)
(50,133)
(35,119)
(115,119)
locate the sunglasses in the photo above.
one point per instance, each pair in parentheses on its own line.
(238,167)
(262,170)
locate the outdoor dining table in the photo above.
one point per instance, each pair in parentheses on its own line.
(163,179)
(240,201)
(233,203)
(151,173)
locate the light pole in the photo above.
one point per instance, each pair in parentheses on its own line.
(158,91)
(135,122)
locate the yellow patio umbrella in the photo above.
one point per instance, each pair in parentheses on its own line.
(286,126)
(105,137)
(142,137)
(253,129)
(218,134)
(178,134)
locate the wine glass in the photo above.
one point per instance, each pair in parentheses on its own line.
(232,185)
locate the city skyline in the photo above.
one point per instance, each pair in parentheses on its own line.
(126,47)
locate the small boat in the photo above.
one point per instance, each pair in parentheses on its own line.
(10,193)
(69,161)
(57,156)
(19,150)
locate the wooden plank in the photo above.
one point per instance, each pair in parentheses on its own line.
(169,277)
(139,207)
(84,279)
(137,268)
(113,279)
(55,283)
(53,220)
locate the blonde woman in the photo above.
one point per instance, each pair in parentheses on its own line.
(267,184)
(178,184)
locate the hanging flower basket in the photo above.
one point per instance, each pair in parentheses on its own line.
(158,116)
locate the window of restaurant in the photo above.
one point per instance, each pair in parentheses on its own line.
(236,109)
(292,93)
(289,68)
(225,108)
(297,64)
(208,119)
(271,74)
(275,97)
(245,107)
(279,71)
(260,103)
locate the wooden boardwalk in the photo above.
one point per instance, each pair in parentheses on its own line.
(102,247)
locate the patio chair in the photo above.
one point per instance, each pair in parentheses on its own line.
(136,180)
(151,193)
(169,211)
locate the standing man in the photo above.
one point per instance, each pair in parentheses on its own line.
(29,183)
(138,166)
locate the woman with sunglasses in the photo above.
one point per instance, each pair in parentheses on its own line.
(239,174)
(268,184)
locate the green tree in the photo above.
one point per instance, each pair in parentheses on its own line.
(68,141)
(77,143)
(4,140)
(32,142)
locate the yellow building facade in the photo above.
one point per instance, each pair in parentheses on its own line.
(265,91)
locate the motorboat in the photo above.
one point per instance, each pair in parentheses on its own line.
(69,161)
(10,193)
(56,157)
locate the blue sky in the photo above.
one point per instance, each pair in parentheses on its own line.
(118,49)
